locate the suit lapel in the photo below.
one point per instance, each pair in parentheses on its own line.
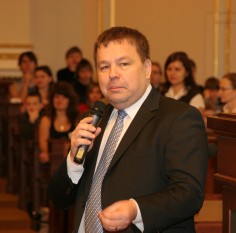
(144,115)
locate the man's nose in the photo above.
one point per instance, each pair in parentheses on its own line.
(113,72)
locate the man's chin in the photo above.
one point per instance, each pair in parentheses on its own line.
(118,102)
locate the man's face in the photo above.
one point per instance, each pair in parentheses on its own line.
(122,76)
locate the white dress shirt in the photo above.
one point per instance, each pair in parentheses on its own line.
(75,171)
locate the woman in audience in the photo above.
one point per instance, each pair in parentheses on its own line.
(27,62)
(227,92)
(58,122)
(84,74)
(180,83)
(43,82)
(60,117)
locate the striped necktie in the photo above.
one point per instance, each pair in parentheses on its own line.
(92,222)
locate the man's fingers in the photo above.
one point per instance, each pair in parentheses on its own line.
(117,216)
(83,134)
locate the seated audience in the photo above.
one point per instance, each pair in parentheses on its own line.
(180,83)
(58,122)
(30,118)
(227,92)
(73,57)
(93,94)
(84,74)
(43,79)
(156,74)
(211,96)
(29,122)
(60,117)
(27,62)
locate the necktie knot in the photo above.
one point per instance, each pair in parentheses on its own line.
(122,113)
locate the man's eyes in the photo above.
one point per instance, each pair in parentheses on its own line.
(104,68)
(124,64)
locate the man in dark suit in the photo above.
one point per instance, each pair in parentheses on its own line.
(155,179)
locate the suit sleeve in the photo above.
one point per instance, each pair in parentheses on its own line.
(62,191)
(185,164)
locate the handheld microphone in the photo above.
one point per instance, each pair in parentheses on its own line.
(96,113)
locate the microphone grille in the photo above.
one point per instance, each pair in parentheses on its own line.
(100,105)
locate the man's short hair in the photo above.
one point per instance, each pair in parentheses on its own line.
(135,37)
(72,50)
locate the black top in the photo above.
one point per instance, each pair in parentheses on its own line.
(58,134)
(191,92)
(65,75)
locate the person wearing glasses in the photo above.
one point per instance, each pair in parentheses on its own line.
(227,92)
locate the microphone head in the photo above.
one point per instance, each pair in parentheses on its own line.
(99,107)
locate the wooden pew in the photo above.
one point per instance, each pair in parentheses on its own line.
(211,185)
(59,221)
(224,125)
(209,219)
(4,100)
(29,172)
(33,181)
(13,147)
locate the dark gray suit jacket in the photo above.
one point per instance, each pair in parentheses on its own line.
(161,162)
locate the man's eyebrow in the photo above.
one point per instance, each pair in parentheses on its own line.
(117,60)
(122,58)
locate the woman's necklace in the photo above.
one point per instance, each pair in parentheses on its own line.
(62,127)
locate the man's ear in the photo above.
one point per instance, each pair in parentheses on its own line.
(148,68)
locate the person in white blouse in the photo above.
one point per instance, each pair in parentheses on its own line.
(180,83)
(227,92)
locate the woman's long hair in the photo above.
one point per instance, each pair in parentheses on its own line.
(65,89)
(184,59)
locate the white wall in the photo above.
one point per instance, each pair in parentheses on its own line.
(56,25)
(52,26)
(171,26)
(15,21)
